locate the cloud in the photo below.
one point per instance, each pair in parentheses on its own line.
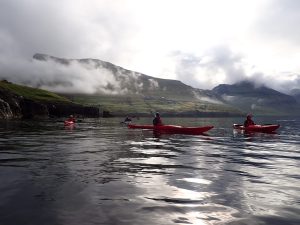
(74,77)
(70,29)
(280,21)
(284,82)
(153,84)
(33,27)
(215,66)
(220,65)
(176,40)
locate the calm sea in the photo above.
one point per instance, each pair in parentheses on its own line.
(100,172)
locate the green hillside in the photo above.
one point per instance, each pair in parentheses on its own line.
(32,93)
(141,105)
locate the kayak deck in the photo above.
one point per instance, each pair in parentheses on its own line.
(257,128)
(172,128)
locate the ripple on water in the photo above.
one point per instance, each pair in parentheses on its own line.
(100,171)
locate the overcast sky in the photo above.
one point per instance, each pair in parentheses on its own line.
(200,42)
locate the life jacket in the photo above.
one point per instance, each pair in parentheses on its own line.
(71,119)
(248,122)
(157,121)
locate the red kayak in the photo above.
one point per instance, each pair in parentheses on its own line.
(69,123)
(172,128)
(257,128)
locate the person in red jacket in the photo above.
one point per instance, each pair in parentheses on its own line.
(71,119)
(249,121)
(157,120)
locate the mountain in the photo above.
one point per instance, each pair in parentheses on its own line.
(136,93)
(296,94)
(260,100)
(129,92)
(136,83)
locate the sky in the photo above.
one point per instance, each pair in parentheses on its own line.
(202,43)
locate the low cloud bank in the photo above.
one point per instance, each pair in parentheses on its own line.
(75,77)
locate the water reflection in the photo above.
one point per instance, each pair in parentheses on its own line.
(101,172)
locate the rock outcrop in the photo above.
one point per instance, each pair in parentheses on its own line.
(9,105)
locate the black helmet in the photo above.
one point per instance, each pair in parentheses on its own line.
(157,113)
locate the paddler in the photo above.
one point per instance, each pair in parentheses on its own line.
(249,121)
(127,119)
(157,120)
(71,119)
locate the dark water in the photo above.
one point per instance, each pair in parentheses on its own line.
(103,173)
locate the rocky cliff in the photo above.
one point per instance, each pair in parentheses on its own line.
(18,101)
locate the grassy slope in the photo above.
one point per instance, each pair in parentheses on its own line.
(122,105)
(32,93)
(138,104)
(118,104)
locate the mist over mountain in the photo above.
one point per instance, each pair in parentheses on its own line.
(109,79)
(296,94)
(259,99)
